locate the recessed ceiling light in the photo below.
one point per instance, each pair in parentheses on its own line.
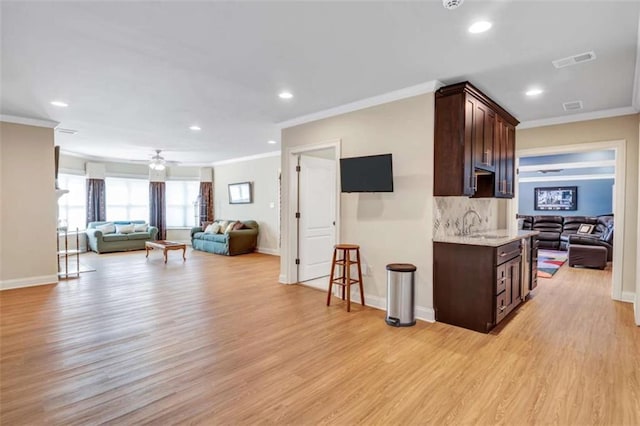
(480,27)
(195,128)
(533,92)
(272,142)
(59,104)
(285,95)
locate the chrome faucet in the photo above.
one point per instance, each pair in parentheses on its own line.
(466,230)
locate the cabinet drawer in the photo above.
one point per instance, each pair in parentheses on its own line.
(501,306)
(507,252)
(501,278)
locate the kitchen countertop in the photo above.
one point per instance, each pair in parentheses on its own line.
(494,238)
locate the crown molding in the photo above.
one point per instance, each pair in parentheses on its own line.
(247,158)
(99,159)
(594,115)
(407,92)
(566,178)
(38,122)
(574,165)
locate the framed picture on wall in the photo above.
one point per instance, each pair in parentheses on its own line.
(240,193)
(562,198)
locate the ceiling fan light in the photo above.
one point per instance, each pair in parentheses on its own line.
(156,164)
(157,161)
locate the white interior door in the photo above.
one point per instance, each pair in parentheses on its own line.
(317,206)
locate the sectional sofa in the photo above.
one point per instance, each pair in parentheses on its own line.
(558,232)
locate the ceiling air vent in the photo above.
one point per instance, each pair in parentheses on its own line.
(451,4)
(67,131)
(572,105)
(574,60)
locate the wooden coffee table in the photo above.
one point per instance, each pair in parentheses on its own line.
(165,246)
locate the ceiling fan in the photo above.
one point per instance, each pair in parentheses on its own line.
(158,162)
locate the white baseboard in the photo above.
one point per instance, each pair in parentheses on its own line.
(425,314)
(28,282)
(421,313)
(282,279)
(627,296)
(263,250)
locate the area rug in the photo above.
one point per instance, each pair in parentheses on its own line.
(549,261)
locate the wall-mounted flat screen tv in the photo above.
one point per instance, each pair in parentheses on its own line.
(373,173)
(563,198)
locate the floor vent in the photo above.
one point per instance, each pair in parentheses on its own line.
(572,105)
(574,60)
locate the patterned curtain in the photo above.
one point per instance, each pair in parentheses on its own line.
(206,201)
(96,200)
(157,208)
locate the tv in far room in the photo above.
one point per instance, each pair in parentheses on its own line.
(373,173)
(562,198)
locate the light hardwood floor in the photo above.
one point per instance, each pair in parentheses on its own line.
(216,340)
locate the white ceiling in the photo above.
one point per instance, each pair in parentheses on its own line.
(136,75)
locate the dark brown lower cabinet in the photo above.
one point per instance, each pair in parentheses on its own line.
(533,282)
(475,287)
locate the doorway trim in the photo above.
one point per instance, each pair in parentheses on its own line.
(289,264)
(619,203)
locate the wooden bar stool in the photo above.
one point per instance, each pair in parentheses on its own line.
(345,279)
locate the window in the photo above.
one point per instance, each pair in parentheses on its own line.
(72,209)
(181,199)
(127,199)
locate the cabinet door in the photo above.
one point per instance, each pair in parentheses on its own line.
(515,266)
(510,160)
(469,185)
(502,162)
(483,137)
(533,282)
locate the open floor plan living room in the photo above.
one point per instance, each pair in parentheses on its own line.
(320,212)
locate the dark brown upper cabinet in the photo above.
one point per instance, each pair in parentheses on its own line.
(474,144)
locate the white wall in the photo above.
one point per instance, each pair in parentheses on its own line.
(263,174)
(27,206)
(389,227)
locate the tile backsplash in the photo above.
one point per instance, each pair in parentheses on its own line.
(449,211)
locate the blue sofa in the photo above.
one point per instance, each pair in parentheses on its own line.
(235,242)
(108,243)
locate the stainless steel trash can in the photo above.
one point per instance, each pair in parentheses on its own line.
(400,294)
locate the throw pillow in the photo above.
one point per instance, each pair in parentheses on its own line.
(238,225)
(205,224)
(209,229)
(124,229)
(229,227)
(107,228)
(585,229)
(223,225)
(140,227)
(215,228)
